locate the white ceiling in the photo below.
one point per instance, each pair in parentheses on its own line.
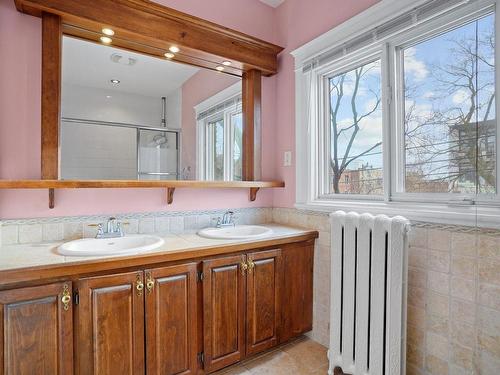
(273,3)
(89,64)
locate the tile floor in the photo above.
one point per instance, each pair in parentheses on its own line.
(300,357)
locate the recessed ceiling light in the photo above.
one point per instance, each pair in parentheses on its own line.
(108,32)
(220,68)
(226,63)
(108,96)
(106,39)
(169,55)
(174,49)
(115,81)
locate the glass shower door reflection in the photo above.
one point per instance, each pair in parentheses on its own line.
(157,155)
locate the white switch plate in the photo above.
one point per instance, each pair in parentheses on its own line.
(287,159)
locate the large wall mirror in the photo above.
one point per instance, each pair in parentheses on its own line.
(126,115)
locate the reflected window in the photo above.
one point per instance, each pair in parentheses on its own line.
(220,139)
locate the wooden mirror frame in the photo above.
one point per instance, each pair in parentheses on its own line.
(147,27)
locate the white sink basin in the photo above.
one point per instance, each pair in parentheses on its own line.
(128,244)
(238,232)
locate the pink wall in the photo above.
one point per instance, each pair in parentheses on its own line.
(196,89)
(290,25)
(20,46)
(298,22)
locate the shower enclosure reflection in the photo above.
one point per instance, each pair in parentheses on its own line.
(130,116)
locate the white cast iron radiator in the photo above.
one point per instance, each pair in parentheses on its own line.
(368,294)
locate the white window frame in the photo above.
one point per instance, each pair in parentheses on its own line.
(311,116)
(205,142)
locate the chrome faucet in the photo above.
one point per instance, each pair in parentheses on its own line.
(113,229)
(226,220)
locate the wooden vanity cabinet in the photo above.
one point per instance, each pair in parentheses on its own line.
(190,318)
(36,324)
(241,306)
(138,322)
(171,320)
(224,284)
(297,302)
(110,325)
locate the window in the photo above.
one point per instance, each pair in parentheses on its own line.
(403,114)
(355,160)
(223,146)
(219,136)
(449,118)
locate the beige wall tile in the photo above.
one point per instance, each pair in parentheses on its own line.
(463,357)
(488,331)
(416,316)
(462,311)
(10,234)
(438,261)
(415,356)
(463,266)
(417,257)
(416,296)
(435,365)
(488,246)
(489,295)
(438,304)
(438,239)
(438,281)
(52,232)
(147,225)
(415,336)
(417,237)
(437,345)
(417,277)
(488,364)
(463,244)
(72,231)
(437,324)
(489,271)
(462,333)
(31,233)
(463,288)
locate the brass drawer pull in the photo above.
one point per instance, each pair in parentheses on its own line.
(139,285)
(66,297)
(251,266)
(150,283)
(244,267)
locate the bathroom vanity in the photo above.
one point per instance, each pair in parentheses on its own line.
(193,306)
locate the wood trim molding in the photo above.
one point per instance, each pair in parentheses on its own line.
(252,102)
(153,25)
(51,94)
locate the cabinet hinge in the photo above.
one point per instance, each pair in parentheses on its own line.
(200,275)
(201,358)
(76,297)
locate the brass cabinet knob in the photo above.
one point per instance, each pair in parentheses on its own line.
(150,284)
(244,267)
(251,266)
(66,297)
(139,285)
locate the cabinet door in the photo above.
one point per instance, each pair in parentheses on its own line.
(224,311)
(37,330)
(263,300)
(110,325)
(171,320)
(297,305)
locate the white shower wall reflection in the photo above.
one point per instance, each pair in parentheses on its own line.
(127,116)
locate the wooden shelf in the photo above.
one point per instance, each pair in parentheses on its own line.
(51,185)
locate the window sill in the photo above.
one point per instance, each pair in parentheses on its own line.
(459,214)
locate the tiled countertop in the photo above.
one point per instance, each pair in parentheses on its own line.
(16,259)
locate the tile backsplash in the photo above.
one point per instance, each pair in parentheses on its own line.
(25,231)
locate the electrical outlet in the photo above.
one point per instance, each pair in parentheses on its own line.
(287,159)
